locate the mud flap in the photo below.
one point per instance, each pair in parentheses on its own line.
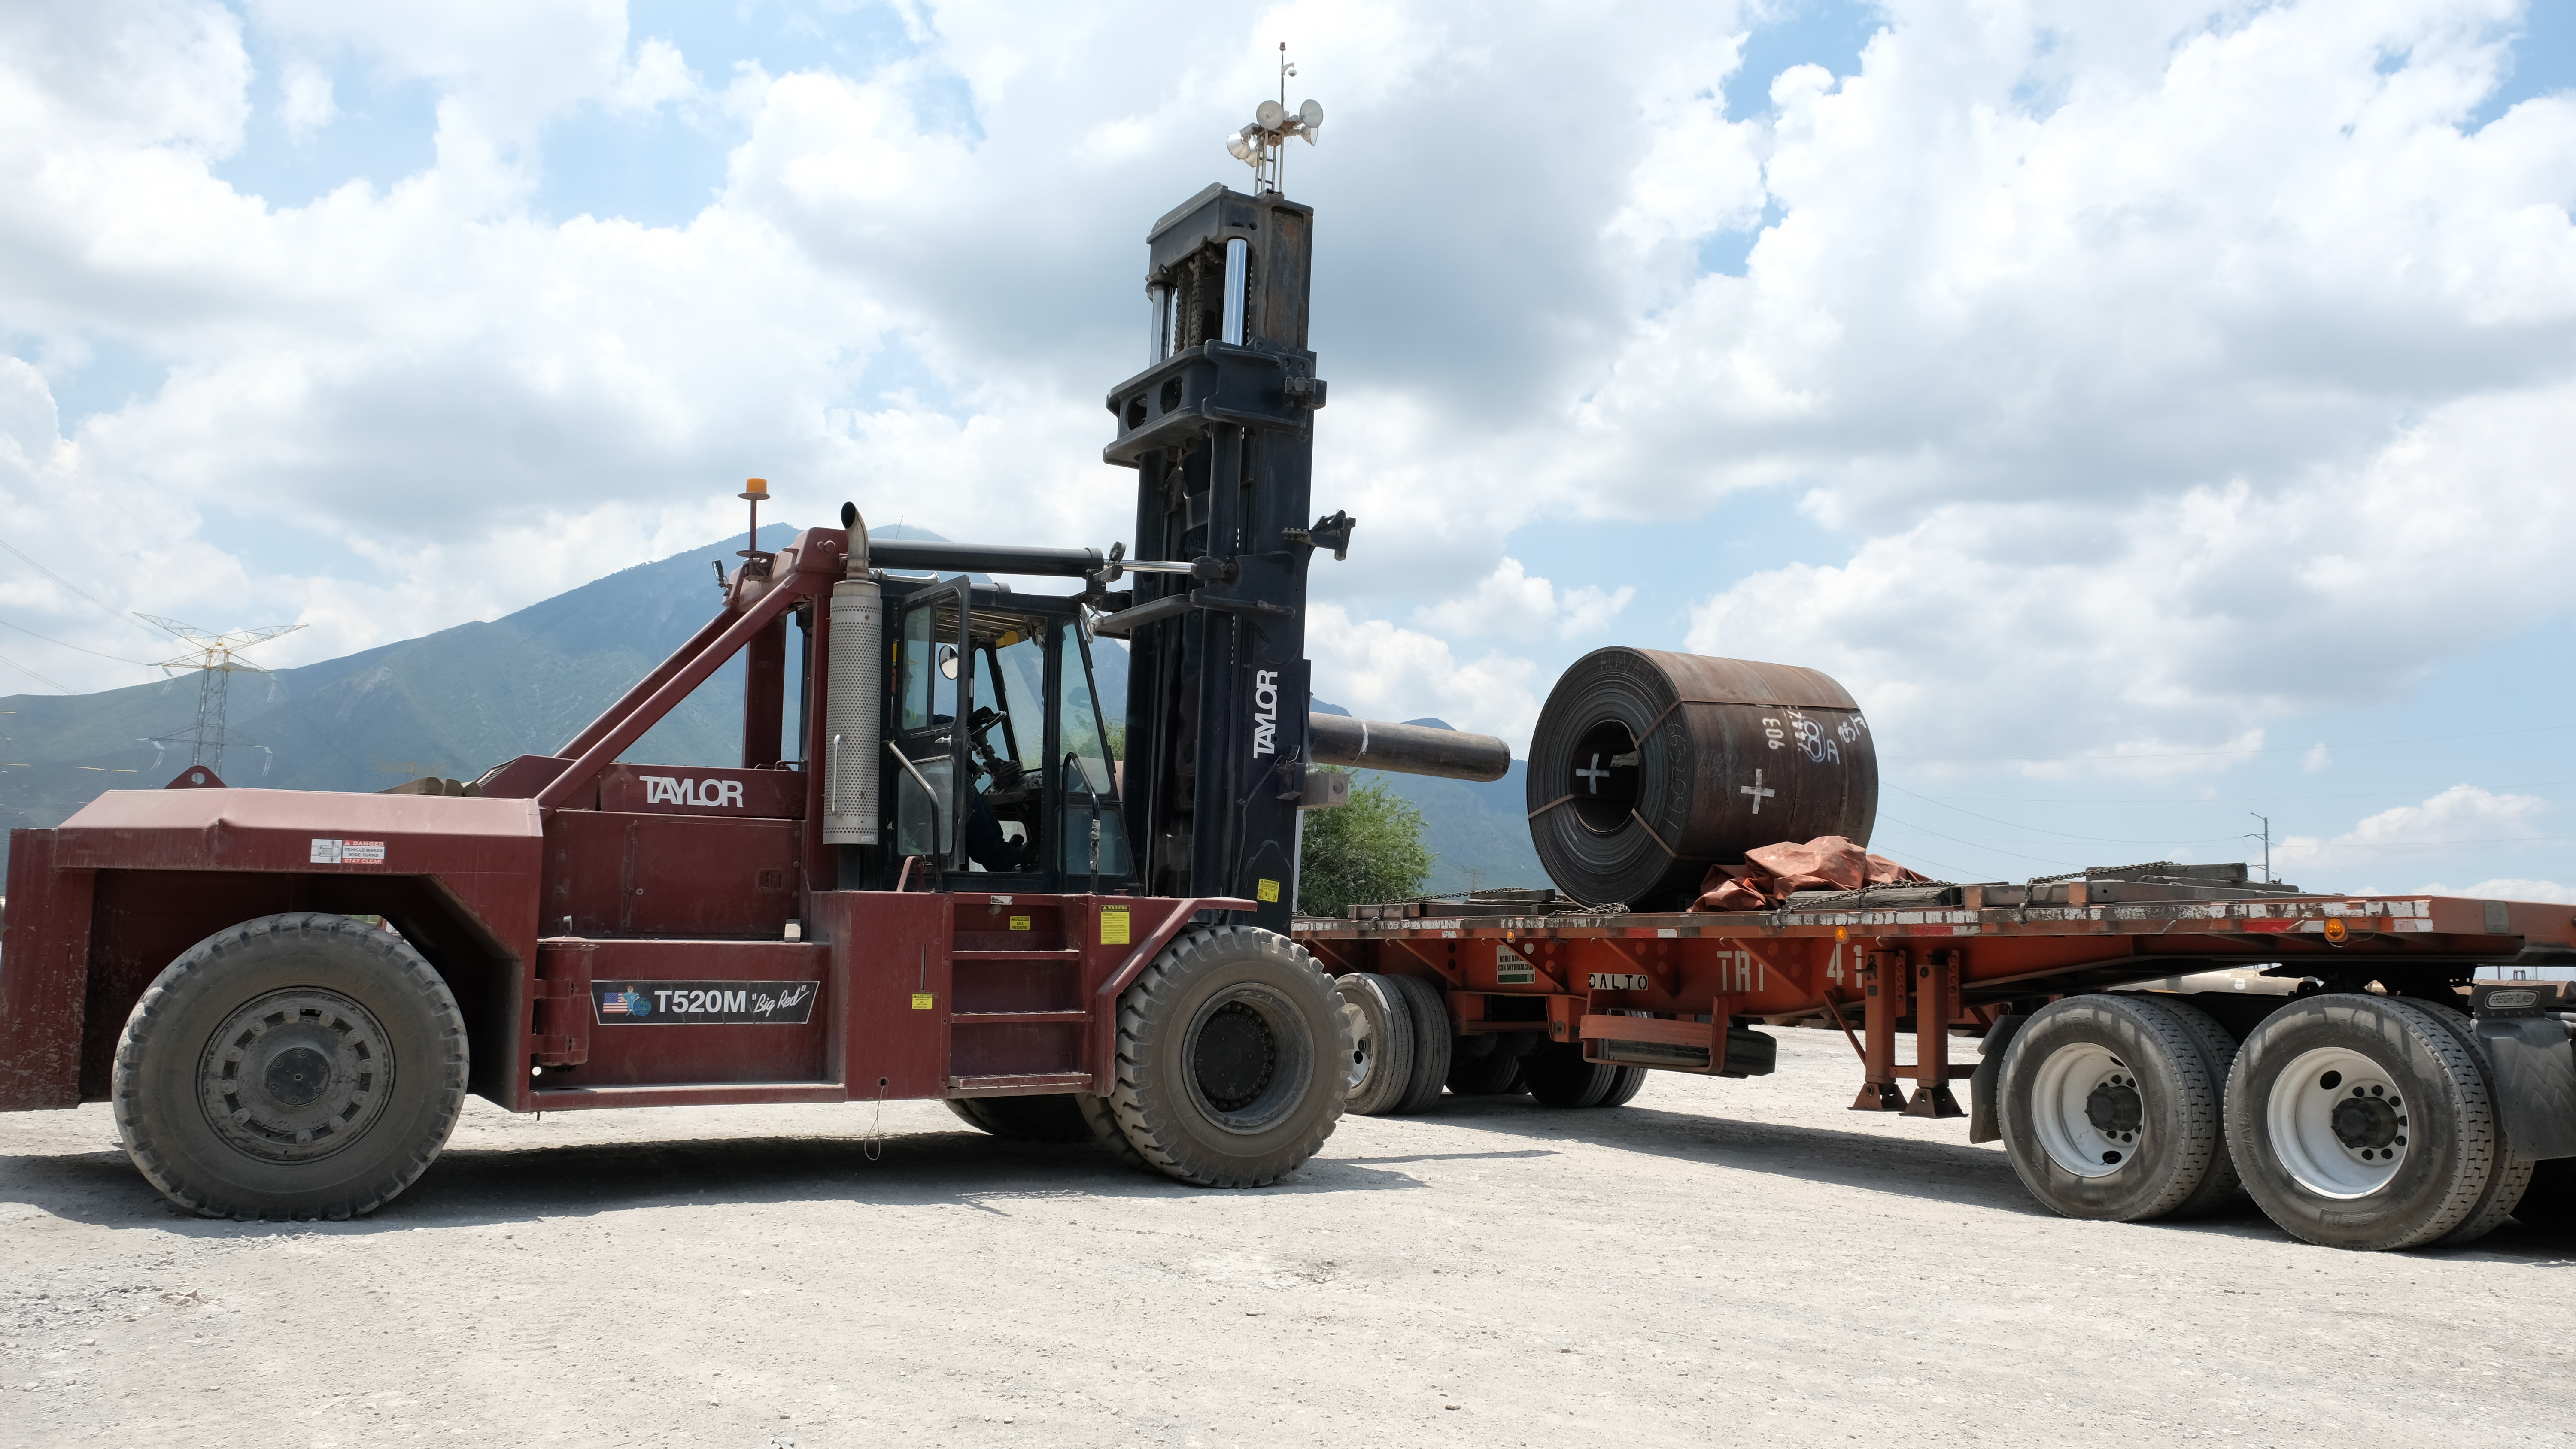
(1981,1082)
(2535,1079)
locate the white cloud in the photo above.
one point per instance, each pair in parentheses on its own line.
(2509,889)
(1509,602)
(2383,843)
(2169,367)
(305,102)
(2171,625)
(1378,671)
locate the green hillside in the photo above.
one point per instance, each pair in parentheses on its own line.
(452,703)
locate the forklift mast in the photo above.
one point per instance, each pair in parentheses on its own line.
(1220,428)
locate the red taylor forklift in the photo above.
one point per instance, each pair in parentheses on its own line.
(962,881)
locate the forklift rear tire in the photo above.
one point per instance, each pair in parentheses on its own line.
(2110,1108)
(1230,1058)
(1052,1118)
(1558,1076)
(1380,1018)
(295,1066)
(1431,1043)
(2332,1077)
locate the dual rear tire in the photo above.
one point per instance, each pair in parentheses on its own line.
(2353,1121)
(2369,1122)
(1402,1050)
(1559,1077)
(2109,1108)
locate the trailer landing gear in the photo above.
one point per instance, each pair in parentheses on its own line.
(295,1066)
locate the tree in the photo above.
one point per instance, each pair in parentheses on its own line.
(1367,850)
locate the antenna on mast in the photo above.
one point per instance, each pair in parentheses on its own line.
(1258,144)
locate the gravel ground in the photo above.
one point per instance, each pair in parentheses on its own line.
(1720,1262)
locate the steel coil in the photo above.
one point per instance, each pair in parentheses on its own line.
(1648,767)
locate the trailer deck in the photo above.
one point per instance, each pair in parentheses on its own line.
(1662,990)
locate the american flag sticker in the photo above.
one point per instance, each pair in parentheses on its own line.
(705,1003)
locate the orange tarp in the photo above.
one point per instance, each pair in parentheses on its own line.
(1771,872)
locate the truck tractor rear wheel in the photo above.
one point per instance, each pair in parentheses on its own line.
(1229,1053)
(2510,1178)
(2361,1122)
(295,1066)
(1380,1023)
(1558,1076)
(1431,1042)
(1493,1074)
(1053,1117)
(2109,1107)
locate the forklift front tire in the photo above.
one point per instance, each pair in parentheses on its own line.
(1231,1052)
(294,1066)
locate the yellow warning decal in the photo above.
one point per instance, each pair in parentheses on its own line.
(1019,923)
(1266,891)
(921,1001)
(1113,928)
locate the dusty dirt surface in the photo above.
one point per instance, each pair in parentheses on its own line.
(1718,1263)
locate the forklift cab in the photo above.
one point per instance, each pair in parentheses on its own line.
(1001,763)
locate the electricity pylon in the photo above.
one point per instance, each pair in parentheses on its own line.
(215,657)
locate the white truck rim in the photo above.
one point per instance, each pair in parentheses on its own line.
(2087,1110)
(1363,1048)
(2338,1123)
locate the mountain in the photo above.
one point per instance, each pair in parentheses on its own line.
(459,701)
(1478,831)
(452,703)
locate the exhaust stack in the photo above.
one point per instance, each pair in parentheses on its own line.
(854,708)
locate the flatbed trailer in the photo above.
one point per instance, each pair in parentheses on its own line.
(2111,1104)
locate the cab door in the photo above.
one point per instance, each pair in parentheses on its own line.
(934,670)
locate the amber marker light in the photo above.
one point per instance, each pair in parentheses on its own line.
(2336,931)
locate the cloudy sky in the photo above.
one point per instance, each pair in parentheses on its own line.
(2158,414)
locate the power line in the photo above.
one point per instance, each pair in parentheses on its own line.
(2063,835)
(2231,754)
(31,674)
(2240,799)
(118,613)
(1979,844)
(59,644)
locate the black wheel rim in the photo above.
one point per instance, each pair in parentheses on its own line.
(1247,1058)
(295,1075)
